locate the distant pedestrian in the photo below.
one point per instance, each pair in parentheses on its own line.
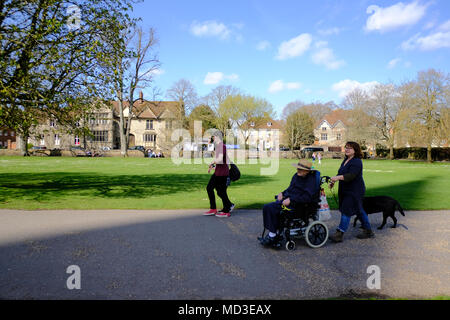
(319,157)
(313,157)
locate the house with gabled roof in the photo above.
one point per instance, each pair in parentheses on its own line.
(331,130)
(151,127)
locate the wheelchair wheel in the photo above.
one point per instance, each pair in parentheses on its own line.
(290,245)
(316,234)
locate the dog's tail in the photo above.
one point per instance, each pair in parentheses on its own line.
(399,208)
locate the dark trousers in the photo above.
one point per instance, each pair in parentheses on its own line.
(220,184)
(271,216)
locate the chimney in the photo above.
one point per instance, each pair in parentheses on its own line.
(141,97)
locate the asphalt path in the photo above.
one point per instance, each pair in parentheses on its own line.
(165,254)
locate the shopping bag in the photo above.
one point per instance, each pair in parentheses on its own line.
(324,210)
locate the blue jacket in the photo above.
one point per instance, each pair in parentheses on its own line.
(352,188)
(301,189)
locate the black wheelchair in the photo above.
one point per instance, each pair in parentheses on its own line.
(302,222)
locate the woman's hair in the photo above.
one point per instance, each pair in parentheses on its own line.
(355,146)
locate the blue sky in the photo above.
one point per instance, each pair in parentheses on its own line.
(289,50)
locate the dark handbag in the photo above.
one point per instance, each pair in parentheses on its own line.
(235,174)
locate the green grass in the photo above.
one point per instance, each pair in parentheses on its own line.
(142,183)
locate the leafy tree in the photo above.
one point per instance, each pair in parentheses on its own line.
(49,64)
(299,129)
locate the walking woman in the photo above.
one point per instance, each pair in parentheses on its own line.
(219,180)
(351,192)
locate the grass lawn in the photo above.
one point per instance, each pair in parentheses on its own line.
(143,183)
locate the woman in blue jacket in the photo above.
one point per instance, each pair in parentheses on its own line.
(351,192)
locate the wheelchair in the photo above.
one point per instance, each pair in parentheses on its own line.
(302,222)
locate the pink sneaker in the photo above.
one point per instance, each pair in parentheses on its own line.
(211,212)
(223,214)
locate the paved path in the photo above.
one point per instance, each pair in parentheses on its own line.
(125,254)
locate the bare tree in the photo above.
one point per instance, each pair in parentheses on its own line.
(185,93)
(430,99)
(360,123)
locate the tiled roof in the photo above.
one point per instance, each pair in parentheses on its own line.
(336,115)
(148,109)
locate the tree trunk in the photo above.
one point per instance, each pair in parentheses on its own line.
(123,140)
(23,144)
(429,159)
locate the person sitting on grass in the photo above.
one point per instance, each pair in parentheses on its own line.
(301,190)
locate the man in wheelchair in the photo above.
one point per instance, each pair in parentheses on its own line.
(300,193)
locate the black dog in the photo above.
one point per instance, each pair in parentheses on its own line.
(384,204)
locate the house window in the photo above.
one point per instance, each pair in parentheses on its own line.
(100,136)
(269,124)
(12,133)
(149,125)
(324,128)
(149,137)
(168,124)
(57,141)
(42,142)
(323,136)
(338,136)
(52,123)
(77,140)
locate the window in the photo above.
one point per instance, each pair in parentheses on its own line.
(57,141)
(323,136)
(12,133)
(42,142)
(252,124)
(52,123)
(338,136)
(324,128)
(149,125)
(269,124)
(100,136)
(168,124)
(149,137)
(77,140)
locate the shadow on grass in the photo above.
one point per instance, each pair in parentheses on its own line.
(408,194)
(44,187)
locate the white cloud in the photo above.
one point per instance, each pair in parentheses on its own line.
(395,16)
(393,63)
(445,26)
(279,85)
(344,87)
(294,47)
(330,31)
(216,77)
(263,45)
(210,29)
(325,56)
(433,41)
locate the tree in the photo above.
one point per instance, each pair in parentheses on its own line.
(299,129)
(47,62)
(204,114)
(246,112)
(144,62)
(184,92)
(385,110)
(431,99)
(360,122)
(215,100)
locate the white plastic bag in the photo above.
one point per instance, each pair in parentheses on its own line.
(324,210)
